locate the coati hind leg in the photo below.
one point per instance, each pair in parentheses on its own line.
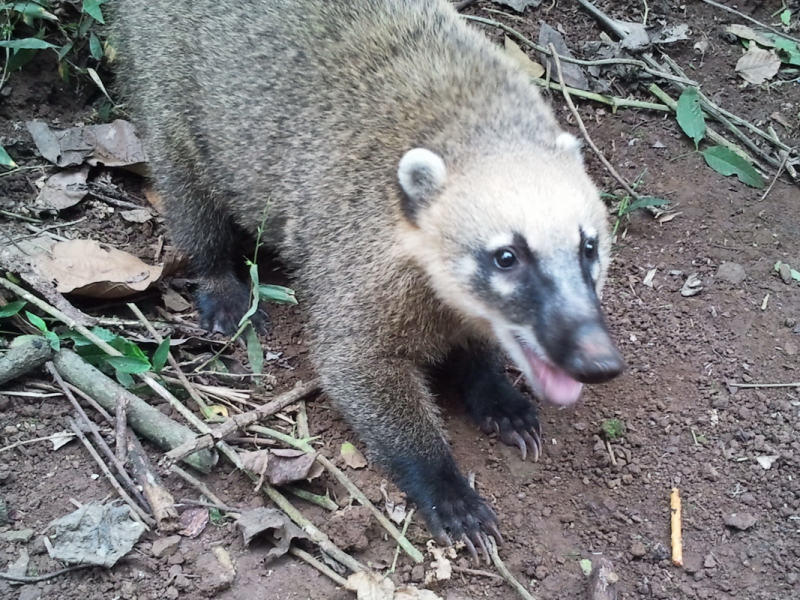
(495,404)
(387,402)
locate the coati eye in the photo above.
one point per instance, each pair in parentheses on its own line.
(590,249)
(504,258)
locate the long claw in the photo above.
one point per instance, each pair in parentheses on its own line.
(471,547)
(532,444)
(521,445)
(482,546)
(492,529)
(443,539)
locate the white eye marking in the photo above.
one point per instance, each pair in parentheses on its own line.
(500,240)
(466,267)
(502,285)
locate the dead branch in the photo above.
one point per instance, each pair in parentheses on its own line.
(26,356)
(161,501)
(500,566)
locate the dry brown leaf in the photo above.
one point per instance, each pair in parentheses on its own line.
(260,520)
(63,190)
(352,456)
(88,268)
(154,198)
(136,215)
(573,74)
(370,586)
(288,466)
(256,461)
(193,521)
(174,302)
(747,33)
(758,65)
(111,144)
(530,67)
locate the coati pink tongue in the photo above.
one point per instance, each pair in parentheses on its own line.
(555,384)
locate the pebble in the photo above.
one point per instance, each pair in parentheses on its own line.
(740,521)
(417,573)
(709,472)
(637,549)
(709,562)
(731,272)
(167,546)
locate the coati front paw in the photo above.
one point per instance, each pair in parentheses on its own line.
(515,425)
(223,303)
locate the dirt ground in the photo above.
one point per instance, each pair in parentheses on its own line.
(685,426)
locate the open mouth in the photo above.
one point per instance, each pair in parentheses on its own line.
(554,384)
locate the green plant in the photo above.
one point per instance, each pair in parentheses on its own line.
(613,429)
(626,204)
(723,160)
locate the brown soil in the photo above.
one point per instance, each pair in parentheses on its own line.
(684,426)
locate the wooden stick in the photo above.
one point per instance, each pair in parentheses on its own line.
(676,537)
(751,19)
(120,429)
(24,357)
(500,566)
(161,501)
(764,385)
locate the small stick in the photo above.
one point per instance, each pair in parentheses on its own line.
(498,563)
(222,507)
(611,453)
(476,572)
(302,421)
(35,440)
(676,537)
(45,577)
(777,174)
(120,428)
(613,101)
(136,512)
(764,385)
(161,501)
(199,485)
(751,19)
(92,402)
(322,501)
(351,488)
(188,385)
(322,568)
(406,523)
(585,133)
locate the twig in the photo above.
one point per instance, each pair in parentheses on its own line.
(585,133)
(302,421)
(322,568)
(45,577)
(498,563)
(777,174)
(188,385)
(14,215)
(120,429)
(92,402)
(55,436)
(459,6)
(613,101)
(137,512)
(406,523)
(611,453)
(221,507)
(477,572)
(242,420)
(161,501)
(24,357)
(675,527)
(751,19)
(351,488)
(201,487)
(322,501)
(656,72)
(119,466)
(764,385)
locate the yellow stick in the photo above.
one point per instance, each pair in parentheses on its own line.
(677,541)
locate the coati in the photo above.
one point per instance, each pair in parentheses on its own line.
(430,207)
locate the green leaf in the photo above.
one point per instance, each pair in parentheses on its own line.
(727,162)
(160,355)
(6,160)
(64,50)
(92,8)
(788,51)
(786,16)
(37,322)
(12,308)
(277,294)
(124,379)
(51,337)
(95,47)
(642,202)
(26,44)
(690,115)
(129,364)
(586,566)
(20,58)
(255,353)
(31,9)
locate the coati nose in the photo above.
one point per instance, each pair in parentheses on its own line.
(595,358)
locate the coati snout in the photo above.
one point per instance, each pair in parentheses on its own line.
(433,213)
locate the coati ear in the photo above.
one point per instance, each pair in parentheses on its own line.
(570,144)
(421,174)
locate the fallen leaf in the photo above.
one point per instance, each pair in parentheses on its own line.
(648,279)
(352,456)
(111,144)
(260,520)
(693,286)
(61,439)
(88,268)
(193,521)
(747,33)
(701,45)
(370,586)
(766,462)
(671,34)
(136,215)
(395,510)
(726,162)
(573,74)
(441,569)
(215,411)
(174,302)
(530,67)
(519,5)
(288,466)
(256,461)
(586,566)
(63,190)
(758,65)
(95,534)
(19,568)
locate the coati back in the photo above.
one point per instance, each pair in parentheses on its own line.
(433,212)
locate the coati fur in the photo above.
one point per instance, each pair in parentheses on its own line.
(432,211)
